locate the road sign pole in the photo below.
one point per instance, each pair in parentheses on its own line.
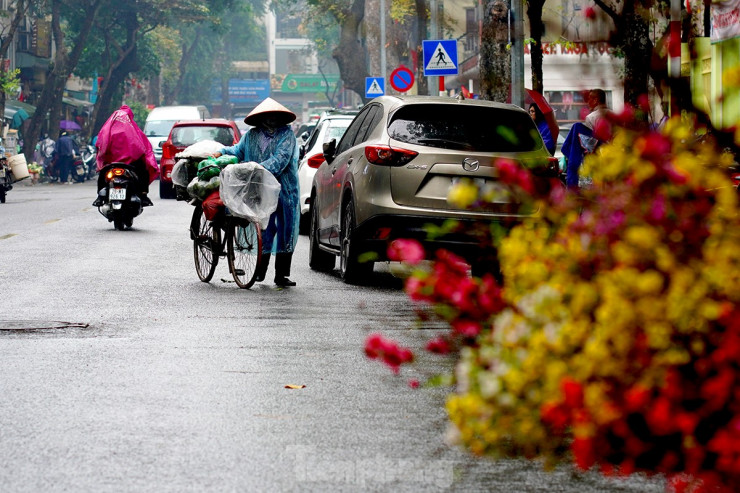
(442,91)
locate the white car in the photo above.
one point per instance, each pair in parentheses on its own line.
(331,125)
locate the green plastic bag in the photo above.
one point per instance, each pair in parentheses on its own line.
(210,167)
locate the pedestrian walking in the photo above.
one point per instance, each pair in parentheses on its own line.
(272,144)
(66,151)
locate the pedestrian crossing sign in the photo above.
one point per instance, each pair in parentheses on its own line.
(374,87)
(440,57)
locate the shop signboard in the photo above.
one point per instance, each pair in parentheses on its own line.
(309,82)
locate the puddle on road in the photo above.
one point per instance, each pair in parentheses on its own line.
(39,325)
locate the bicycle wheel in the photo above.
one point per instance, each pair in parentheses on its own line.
(206,245)
(245,250)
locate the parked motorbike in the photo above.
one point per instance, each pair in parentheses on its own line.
(122,202)
(88,154)
(79,170)
(6,178)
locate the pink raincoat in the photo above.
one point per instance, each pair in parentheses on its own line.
(120,140)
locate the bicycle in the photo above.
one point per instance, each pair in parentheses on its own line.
(237,239)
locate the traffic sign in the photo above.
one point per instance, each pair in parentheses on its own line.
(440,57)
(402,79)
(374,87)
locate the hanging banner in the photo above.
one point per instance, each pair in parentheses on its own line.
(725,20)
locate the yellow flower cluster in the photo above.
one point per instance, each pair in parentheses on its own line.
(649,259)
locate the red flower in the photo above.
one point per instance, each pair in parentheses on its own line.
(572,392)
(590,13)
(636,399)
(438,345)
(409,251)
(583,452)
(466,328)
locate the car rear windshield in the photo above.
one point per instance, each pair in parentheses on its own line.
(463,127)
(158,128)
(187,135)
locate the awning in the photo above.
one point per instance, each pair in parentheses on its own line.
(79,103)
(13,105)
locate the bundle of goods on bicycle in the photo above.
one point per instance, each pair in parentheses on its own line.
(207,179)
(249,191)
(185,173)
(185,169)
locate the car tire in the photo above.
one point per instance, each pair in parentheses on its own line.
(166,190)
(318,259)
(351,269)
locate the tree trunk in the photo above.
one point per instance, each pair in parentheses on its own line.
(187,56)
(536,30)
(422,85)
(117,73)
(495,58)
(638,49)
(350,55)
(50,100)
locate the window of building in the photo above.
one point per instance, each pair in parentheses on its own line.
(571,106)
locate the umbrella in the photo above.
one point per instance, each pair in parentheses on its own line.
(545,108)
(69,125)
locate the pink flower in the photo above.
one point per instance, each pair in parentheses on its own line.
(603,130)
(409,251)
(414,383)
(467,328)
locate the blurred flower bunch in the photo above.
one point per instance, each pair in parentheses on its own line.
(615,339)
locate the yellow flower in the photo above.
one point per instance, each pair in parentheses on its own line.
(463,194)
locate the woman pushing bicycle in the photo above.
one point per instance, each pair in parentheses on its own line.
(272,144)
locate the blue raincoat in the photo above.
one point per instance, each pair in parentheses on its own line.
(278,153)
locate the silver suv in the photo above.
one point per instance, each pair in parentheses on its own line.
(390,174)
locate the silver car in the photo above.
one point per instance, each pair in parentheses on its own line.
(390,174)
(331,125)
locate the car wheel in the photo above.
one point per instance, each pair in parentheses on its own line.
(351,269)
(166,190)
(318,259)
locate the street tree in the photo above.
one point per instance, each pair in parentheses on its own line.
(631,36)
(536,31)
(495,55)
(64,62)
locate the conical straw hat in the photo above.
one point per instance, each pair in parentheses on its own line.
(269,105)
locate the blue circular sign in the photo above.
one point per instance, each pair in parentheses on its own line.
(402,79)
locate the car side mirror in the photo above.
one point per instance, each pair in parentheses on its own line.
(329,149)
(304,137)
(161,143)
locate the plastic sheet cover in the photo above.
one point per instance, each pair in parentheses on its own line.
(180,173)
(200,150)
(250,191)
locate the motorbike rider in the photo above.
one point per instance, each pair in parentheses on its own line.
(120,140)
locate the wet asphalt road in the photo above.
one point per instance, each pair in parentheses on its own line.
(121,371)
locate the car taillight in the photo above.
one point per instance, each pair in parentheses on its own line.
(315,160)
(168,150)
(387,156)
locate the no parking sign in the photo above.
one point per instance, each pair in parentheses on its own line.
(402,79)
